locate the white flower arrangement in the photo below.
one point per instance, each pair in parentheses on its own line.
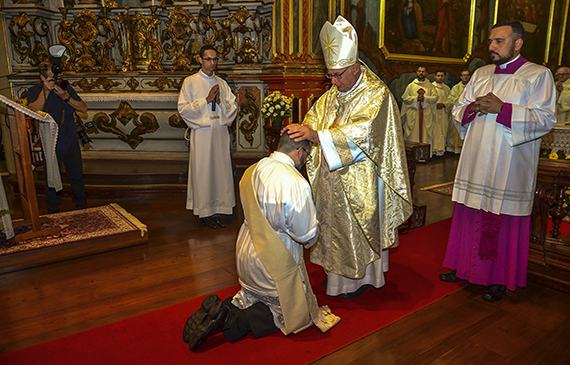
(276,106)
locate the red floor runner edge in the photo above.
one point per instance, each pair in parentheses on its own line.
(156,337)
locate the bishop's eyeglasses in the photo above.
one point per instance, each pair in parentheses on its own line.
(336,76)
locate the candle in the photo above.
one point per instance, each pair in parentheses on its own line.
(62,4)
(103,3)
(208,2)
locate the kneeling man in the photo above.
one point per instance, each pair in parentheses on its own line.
(275,290)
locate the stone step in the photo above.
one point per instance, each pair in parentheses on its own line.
(131,179)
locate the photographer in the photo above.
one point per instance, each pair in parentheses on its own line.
(61,104)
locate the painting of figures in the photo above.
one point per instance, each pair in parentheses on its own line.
(430,28)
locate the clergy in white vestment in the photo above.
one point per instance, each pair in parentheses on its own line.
(275,294)
(440,113)
(503,111)
(454,141)
(208,106)
(357,168)
(418,106)
(562,78)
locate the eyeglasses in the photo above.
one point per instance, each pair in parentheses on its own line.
(303,148)
(208,59)
(562,74)
(336,76)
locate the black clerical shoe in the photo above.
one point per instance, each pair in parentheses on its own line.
(357,293)
(494,292)
(205,322)
(450,277)
(218,220)
(209,222)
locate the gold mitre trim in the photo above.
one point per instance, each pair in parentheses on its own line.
(340,43)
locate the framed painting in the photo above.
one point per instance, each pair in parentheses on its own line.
(544,22)
(427,30)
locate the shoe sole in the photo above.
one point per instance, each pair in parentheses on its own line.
(200,315)
(204,322)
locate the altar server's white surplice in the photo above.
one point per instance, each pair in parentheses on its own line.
(210,176)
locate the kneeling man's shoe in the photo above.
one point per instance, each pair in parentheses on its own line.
(205,322)
(494,292)
(450,277)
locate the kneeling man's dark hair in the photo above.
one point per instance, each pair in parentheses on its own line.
(287,144)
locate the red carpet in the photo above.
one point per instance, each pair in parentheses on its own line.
(156,337)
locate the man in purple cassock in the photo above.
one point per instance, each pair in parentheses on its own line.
(502,113)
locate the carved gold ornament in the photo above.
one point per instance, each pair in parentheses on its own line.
(147,123)
(179,32)
(100,83)
(249,107)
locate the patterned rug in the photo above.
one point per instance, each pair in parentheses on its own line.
(75,226)
(443,189)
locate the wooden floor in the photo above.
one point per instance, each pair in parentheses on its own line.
(183,260)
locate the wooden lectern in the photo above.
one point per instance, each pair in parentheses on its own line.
(23,161)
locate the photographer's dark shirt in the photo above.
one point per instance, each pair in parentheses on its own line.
(55,106)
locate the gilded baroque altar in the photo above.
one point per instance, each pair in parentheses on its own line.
(128,64)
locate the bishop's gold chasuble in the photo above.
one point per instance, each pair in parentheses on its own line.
(355,224)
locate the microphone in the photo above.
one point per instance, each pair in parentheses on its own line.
(214,105)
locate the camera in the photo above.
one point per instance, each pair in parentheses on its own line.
(83,137)
(59,81)
(80,129)
(56,52)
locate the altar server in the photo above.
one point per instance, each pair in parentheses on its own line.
(208,106)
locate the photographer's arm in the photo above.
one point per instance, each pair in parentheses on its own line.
(76,104)
(40,101)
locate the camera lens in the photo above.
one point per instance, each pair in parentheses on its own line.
(83,137)
(64,84)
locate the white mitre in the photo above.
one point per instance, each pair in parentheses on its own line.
(340,44)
